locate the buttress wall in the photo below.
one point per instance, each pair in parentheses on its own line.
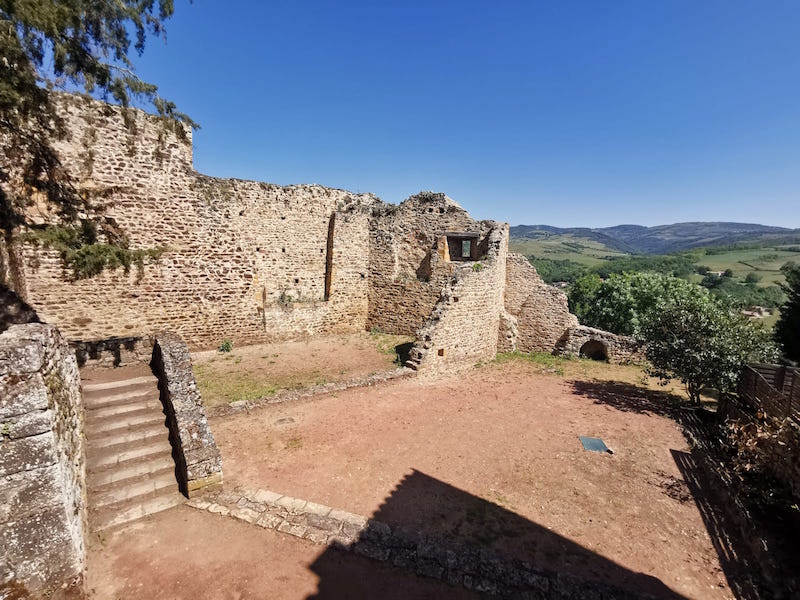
(537,314)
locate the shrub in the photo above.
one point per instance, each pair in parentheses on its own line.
(226,346)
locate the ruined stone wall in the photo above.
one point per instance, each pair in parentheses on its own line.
(42,478)
(244,260)
(462,328)
(406,270)
(539,312)
(617,348)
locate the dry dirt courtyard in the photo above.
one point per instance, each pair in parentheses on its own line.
(489,458)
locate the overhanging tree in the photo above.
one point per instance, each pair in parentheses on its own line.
(79,45)
(787,329)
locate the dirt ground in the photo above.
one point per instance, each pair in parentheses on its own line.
(253,372)
(186,554)
(493,458)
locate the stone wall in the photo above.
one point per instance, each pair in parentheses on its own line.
(538,311)
(407,264)
(243,259)
(42,478)
(197,456)
(584,340)
(462,328)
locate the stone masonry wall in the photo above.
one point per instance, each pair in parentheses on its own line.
(462,328)
(42,478)
(198,457)
(539,311)
(618,348)
(406,273)
(244,259)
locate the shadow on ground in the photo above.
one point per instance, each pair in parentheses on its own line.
(628,397)
(445,533)
(706,476)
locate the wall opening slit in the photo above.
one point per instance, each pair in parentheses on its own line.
(329,257)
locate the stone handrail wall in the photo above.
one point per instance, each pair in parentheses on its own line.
(198,459)
(42,464)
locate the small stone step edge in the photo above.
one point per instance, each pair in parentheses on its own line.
(97,436)
(110,385)
(131,469)
(122,483)
(105,426)
(98,461)
(110,518)
(98,402)
(114,410)
(100,500)
(139,435)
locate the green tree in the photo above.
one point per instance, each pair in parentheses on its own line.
(787,329)
(581,295)
(688,333)
(621,303)
(752,278)
(75,45)
(701,341)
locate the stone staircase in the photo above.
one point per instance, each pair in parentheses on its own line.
(130,472)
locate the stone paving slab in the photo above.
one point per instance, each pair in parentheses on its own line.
(426,555)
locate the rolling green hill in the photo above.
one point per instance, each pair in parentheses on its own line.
(663,239)
(752,254)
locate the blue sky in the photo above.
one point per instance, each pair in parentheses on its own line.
(564,112)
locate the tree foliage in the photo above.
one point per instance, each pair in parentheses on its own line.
(787,329)
(78,45)
(688,333)
(699,340)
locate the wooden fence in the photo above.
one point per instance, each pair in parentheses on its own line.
(772,389)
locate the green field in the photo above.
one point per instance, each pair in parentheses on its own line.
(564,247)
(764,262)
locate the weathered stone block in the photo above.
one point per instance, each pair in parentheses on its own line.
(27,454)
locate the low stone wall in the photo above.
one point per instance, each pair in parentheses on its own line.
(113,352)
(426,555)
(540,311)
(196,453)
(462,329)
(42,465)
(587,340)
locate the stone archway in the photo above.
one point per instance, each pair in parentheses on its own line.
(594,349)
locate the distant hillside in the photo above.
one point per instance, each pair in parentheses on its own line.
(662,239)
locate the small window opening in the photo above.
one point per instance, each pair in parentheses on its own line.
(462,246)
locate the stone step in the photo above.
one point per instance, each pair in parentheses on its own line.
(129,395)
(97,459)
(120,423)
(111,385)
(130,469)
(136,489)
(146,401)
(114,515)
(143,435)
